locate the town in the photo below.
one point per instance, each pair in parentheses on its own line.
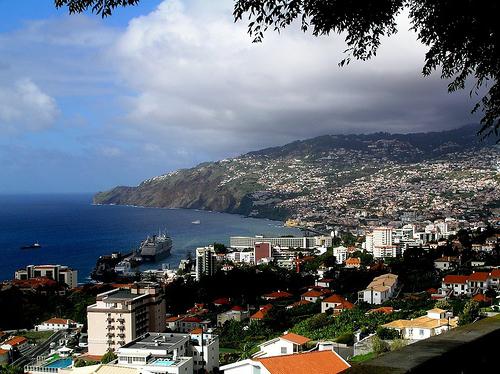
(326,300)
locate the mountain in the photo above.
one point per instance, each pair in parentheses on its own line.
(308,178)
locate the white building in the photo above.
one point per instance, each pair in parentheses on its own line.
(171,353)
(434,323)
(205,262)
(340,254)
(306,242)
(382,288)
(59,273)
(121,315)
(283,345)
(56,324)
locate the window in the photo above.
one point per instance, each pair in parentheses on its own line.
(421,332)
(283,350)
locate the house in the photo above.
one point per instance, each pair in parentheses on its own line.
(56,324)
(278,295)
(261,313)
(353,263)
(446,263)
(455,285)
(495,278)
(382,309)
(173,323)
(336,303)
(381,289)
(4,356)
(283,345)
(222,301)
(317,362)
(478,282)
(324,282)
(314,295)
(435,322)
(15,341)
(236,313)
(340,254)
(298,303)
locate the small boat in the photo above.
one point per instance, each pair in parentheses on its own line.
(32,246)
(197,222)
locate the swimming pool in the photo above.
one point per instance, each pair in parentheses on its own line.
(163,362)
(60,363)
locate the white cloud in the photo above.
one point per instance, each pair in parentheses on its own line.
(200,81)
(25,107)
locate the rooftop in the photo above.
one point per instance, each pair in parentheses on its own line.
(322,362)
(156,341)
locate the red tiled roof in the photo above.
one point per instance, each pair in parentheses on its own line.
(345,305)
(278,295)
(173,318)
(59,321)
(478,276)
(196,331)
(382,309)
(3,352)
(261,313)
(16,340)
(312,293)
(431,291)
(238,308)
(295,338)
(319,362)
(35,282)
(353,261)
(221,301)
(462,279)
(299,303)
(481,298)
(325,280)
(334,299)
(495,273)
(191,319)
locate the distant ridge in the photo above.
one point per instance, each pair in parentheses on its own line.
(250,184)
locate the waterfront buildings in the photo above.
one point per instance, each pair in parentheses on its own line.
(380,289)
(121,315)
(306,242)
(60,273)
(205,262)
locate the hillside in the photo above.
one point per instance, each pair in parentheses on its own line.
(333,175)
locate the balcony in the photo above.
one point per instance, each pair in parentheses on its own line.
(121,335)
(121,328)
(110,327)
(121,320)
(109,320)
(110,335)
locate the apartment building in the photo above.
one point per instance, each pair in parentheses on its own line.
(121,315)
(340,254)
(205,262)
(171,353)
(60,273)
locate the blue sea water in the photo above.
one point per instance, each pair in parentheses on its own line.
(74,232)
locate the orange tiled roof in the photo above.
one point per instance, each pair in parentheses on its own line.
(334,299)
(312,293)
(238,308)
(59,321)
(295,338)
(481,298)
(299,303)
(173,318)
(495,273)
(353,261)
(455,279)
(261,313)
(3,352)
(321,362)
(479,276)
(196,331)
(278,295)
(222,301)
(382,309)
(16,340)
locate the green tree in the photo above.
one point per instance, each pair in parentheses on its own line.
(108,357)
(379,346)
(398,344)
(470,313)
(443,304)
(9,369)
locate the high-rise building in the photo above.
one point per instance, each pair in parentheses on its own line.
(262,250)
(382,236)
(122,315)
(59,273)
(205,262)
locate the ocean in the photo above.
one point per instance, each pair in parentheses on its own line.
(74,232)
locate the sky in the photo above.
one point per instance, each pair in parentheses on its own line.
(89,103)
